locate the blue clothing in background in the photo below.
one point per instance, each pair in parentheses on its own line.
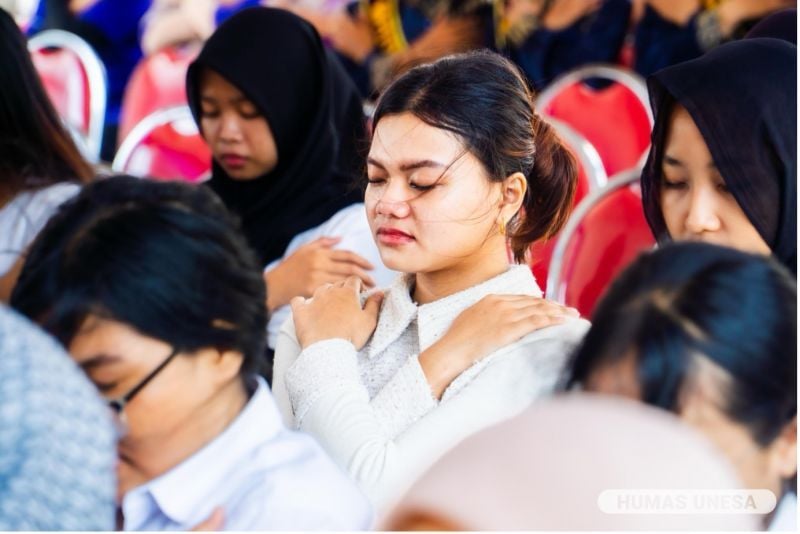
(223,12)
(660,43)
(598,37)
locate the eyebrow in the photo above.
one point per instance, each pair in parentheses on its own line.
(97,361)
(410,165)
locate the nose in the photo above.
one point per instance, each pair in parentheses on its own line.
(703,213)
(393,201)
(229,128)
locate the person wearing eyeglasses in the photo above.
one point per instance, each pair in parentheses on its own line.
(154,291)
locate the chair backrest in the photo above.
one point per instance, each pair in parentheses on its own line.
(75,80)
(165,145)
(157,82)
(616,119)
(591,177)
(604,234)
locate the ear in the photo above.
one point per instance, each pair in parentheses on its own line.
(221,365)
(783,451)
(512,193)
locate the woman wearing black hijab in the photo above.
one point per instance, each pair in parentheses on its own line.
(284,124)
(723,161)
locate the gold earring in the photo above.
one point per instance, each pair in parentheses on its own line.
(502,225)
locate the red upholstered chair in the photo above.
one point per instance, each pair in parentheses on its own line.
(616,119)
(605,233)
(75,81)
(165,145)
(157,82)
(591,177)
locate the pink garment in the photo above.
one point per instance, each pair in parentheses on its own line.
(545,469)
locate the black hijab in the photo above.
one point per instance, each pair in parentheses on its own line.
(277,60)
(742,97)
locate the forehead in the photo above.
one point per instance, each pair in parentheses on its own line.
(105,336)
(214,84)
(405,137)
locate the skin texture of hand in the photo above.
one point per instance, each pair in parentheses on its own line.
(214,523)
(335,312)
(492,323)
(564,13)
(310,266)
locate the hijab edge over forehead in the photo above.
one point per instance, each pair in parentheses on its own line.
(748,123)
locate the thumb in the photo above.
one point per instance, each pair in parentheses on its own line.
(373,304)
(327,241)
(214,522)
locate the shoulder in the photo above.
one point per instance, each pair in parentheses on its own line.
(46,199)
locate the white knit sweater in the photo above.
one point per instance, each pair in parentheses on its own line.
(373,410)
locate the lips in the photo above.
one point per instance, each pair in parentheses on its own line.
(234,161)
(393,236)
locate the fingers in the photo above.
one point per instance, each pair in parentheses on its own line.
(373,305)
(503,303)
(341,271)
(215,522)
(325,242)
(346,256)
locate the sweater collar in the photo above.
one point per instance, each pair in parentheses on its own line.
(399,310)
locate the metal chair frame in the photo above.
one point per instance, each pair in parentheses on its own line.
(556,288)
(143,128)
(625,77)
(95,74)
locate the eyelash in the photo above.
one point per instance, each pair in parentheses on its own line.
(105,387)
(215,114)
(680,185)
(412,185)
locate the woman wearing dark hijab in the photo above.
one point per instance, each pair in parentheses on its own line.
(723,161)
(284,124)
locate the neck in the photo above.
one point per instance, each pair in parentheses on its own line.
(145,459)
(435,285)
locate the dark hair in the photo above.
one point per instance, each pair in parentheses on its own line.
(35,148)
(691,300)
(484,99)
(163,257)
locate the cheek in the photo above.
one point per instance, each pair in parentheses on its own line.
(673,210)
(208,129)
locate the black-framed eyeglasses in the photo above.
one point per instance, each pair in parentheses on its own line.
(118,404)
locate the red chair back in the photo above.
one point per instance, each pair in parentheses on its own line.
(165,145)
(616,119)
(591,177)
(604,235)
(75,80)
(157,82)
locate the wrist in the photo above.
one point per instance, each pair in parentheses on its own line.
(443,361)
(275,298)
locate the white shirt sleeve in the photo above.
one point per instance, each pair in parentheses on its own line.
(351,225)
(23,218)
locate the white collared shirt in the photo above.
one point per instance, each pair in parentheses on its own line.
(264,476)
(23,218)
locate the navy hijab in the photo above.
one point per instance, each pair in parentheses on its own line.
(278,62)
(742,97)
